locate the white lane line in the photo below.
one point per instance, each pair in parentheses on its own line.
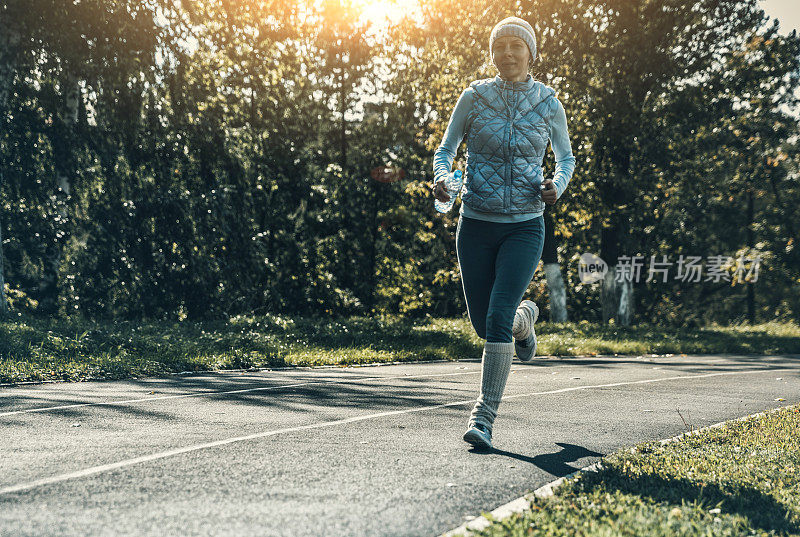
(267,388)
(246,390)
(628,383)
(227,392)
(170,453)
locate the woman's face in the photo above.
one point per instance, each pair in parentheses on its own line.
(511,56)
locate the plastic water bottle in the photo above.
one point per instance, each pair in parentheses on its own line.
(452,184)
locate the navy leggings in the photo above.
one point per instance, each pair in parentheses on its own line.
(497,263)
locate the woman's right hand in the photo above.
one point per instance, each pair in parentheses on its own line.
(440,192)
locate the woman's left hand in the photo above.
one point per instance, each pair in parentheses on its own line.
(549,195)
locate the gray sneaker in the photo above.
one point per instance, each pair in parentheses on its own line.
(526,349)
(479,436)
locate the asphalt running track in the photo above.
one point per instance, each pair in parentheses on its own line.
(363,451)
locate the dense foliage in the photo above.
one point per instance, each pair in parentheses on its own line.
(196,159)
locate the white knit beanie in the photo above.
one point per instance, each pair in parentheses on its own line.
(516,27)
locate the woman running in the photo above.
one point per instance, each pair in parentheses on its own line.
(507,122)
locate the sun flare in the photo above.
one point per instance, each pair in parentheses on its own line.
(383,12)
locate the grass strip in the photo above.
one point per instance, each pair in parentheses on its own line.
(742,478)
(35,349)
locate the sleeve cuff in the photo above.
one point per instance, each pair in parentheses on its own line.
(559,188)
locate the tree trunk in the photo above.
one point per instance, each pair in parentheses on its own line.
(609,252)
(609,300)
(751,299)
(343,125)
(62,150)
(3,306)
(552,271)
(557,292)
(625,309)
(9,40)
(617,297)
(378,192)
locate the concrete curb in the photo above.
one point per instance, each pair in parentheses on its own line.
(523,503)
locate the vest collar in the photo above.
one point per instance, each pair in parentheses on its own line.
(515,85)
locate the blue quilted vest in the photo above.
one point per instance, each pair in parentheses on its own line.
(507,135)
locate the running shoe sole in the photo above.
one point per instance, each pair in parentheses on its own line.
(478,439)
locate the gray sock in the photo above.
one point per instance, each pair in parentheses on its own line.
(496,366)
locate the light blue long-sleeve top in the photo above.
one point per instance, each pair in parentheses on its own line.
(446,152)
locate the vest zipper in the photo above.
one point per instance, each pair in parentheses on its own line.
(510,159)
